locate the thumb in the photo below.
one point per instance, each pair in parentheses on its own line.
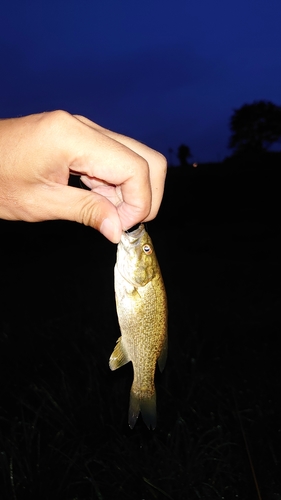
(86,207)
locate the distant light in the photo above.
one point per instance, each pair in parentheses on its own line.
(195,165)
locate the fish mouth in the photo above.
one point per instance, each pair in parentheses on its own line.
(134,232)
(133,228)
(130,238)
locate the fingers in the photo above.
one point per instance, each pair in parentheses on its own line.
(103,158)
(123,169)
(157,163)
(61,144)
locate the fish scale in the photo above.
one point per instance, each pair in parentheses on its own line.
(141,305)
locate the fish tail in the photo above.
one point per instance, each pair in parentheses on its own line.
(144,404)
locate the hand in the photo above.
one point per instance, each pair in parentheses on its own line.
(39,152)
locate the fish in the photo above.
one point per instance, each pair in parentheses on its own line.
(141,304)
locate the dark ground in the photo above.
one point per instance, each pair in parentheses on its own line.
(63,413)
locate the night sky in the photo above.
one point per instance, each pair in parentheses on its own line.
(163,72)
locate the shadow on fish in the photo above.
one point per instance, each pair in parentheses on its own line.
(141,305)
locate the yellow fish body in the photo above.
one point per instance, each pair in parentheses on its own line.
(142,313)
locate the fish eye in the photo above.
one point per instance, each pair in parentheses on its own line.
(147,249)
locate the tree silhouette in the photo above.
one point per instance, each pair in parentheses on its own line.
(255,127)
(183,154)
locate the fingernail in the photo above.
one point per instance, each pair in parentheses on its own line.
(110,231)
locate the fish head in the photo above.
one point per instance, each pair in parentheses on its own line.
(136,259)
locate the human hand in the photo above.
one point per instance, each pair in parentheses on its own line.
(39,152)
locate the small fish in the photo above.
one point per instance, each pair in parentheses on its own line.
(142,313)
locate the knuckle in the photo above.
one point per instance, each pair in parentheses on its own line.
(137,164)
(55,121)
(89,213)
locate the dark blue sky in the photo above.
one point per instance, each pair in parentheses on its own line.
(164,72)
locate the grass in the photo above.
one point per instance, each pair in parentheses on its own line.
(63,413)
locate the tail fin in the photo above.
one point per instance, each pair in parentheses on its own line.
(146,405)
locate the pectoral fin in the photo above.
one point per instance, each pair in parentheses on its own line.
(119,356)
